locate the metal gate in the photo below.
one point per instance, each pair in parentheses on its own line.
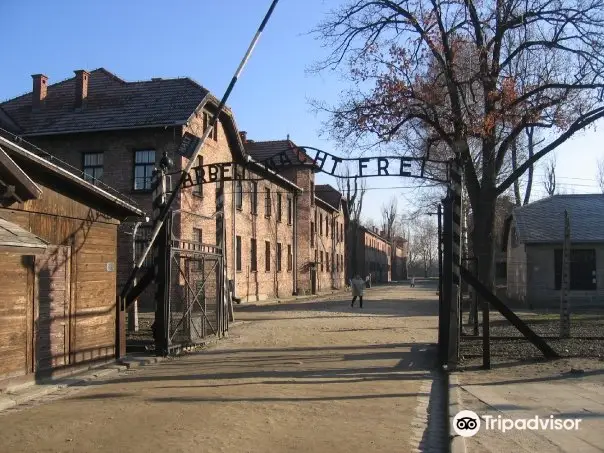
(194,297)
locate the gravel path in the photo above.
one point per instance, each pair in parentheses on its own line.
(303,377)
(508,344)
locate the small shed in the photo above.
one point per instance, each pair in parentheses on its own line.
(533,242)
(58,251)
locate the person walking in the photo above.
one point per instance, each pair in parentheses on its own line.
(412,282)
(358,286)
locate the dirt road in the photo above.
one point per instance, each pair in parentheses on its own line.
(299,377)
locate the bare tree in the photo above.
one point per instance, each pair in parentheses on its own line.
(389,216)
(423,248)
(549,181)
(600,174)
(353,190)
(468,79)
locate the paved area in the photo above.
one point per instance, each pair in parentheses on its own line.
(543,389)
(294,377)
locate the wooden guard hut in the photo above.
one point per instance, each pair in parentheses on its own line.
(58,251)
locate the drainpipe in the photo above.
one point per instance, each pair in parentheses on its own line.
(295,245)
(233,239)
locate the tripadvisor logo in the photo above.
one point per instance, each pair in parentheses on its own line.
(468,423)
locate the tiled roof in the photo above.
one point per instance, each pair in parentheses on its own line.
(329,195)
(263,150)
(112,103)
(543,220)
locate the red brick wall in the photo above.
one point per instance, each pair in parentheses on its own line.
(329,274)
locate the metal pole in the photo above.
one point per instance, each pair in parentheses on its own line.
(441,313)
(193,159)
(565,283)
(133,316)
(447,283)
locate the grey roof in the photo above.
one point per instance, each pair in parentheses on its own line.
(15,239)
(263,150)
(112,103)
(543,220)
(329,195)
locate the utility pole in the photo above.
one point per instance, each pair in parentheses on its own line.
(565,281)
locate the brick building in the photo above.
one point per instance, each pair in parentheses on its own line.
(319,217)
(374,254)
(116,131)
(399,258)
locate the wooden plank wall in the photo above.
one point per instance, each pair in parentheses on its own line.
(14,305)
(92,240)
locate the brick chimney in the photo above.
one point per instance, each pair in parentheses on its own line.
(243,135)
(39,91)
(81,88)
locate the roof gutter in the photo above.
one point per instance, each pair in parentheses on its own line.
(102,129)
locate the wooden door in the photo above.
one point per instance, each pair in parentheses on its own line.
(51,305)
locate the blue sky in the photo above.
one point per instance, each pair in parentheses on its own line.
(205,40)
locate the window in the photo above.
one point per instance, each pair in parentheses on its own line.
(321,261)
(321,224)
(326,226)
(278,257)
(143,235)
(279,207)
(290,210)
(290,258)
(93,167)
(238,252)
(267,202)
(253,254)
(267,256)
(144,161)
(239,195)
(197,235)
(198,189)
(316,259)
(254,198)
(206,123)
(197,239)
(327,261)
(312,234)
(312,193)
(582,269)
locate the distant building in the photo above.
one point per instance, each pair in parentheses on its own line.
(533,244)
(373,255)
(400,254)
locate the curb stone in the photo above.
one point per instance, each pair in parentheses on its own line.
(458,443)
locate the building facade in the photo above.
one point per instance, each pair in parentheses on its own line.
(534,238)
(374,255)
(115,132)
(399,259)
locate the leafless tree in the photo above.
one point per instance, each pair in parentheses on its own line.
(468,79)
(423,248)
(600,174)
(353,190)
(549,181)
(389,216)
